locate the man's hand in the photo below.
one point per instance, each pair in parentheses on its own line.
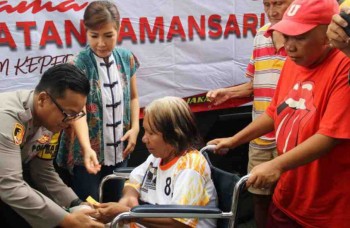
(264,175)
(218,96)
(105,212)
(80,219)
(222,145)
(90,161)
(336,34)
(131,137)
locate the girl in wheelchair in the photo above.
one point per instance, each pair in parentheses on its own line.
(175,171)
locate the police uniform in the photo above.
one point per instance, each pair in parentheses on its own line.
(20,143)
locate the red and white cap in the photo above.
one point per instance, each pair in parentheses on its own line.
(304,15)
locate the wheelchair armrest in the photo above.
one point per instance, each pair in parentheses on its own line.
(170,211)
(123,170)
(178,209)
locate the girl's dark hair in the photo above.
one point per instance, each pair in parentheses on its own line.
(172,117)
(98,13)
(59,78)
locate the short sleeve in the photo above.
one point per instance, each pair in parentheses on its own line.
(250,71)
(335,122)
(193,185)
(190,190)
(134,64)
(137,175)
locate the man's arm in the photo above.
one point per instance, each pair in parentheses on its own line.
(33,206)
(48,182)
(260,126)
(266,174)
(36,208)
(221,95)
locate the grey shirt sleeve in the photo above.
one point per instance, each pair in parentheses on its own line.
(36,208)
(47,181)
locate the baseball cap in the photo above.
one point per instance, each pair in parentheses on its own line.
(304,15)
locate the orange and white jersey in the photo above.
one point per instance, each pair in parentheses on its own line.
(186,180)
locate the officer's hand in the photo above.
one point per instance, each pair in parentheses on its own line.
(81,219)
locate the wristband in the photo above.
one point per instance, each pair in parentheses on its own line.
(75,202)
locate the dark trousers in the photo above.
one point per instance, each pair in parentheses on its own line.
(85,184)
(10,219)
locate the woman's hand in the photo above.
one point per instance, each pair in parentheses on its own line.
(90,161)
(131,137)
(106,212)
(129,201)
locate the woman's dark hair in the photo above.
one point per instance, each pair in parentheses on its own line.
(98,13)
(59,78)
(172,117)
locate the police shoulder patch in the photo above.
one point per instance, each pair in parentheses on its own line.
(18,133)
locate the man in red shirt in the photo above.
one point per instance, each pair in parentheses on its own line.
(309,114)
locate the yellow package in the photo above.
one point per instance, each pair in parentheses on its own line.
(92,201)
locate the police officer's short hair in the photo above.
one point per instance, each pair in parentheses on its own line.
(57,79)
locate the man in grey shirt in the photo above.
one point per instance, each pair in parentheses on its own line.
(28,120)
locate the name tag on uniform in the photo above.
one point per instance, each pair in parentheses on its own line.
(48,151)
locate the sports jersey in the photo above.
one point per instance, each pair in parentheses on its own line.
(186,180)
(308,102)
(264,69)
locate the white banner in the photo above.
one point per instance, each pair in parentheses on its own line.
(185,47)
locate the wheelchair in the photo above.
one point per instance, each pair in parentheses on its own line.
(235,207)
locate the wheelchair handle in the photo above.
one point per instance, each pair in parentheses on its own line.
(211,148)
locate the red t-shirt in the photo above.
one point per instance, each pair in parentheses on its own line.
(306,102)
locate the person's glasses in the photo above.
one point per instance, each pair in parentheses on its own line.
(67,117)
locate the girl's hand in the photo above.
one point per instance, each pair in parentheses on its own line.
(131,137)
(90,161)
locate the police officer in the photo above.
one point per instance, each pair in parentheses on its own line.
(28,119)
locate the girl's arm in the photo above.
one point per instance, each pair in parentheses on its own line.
(81,129)
(131,135)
